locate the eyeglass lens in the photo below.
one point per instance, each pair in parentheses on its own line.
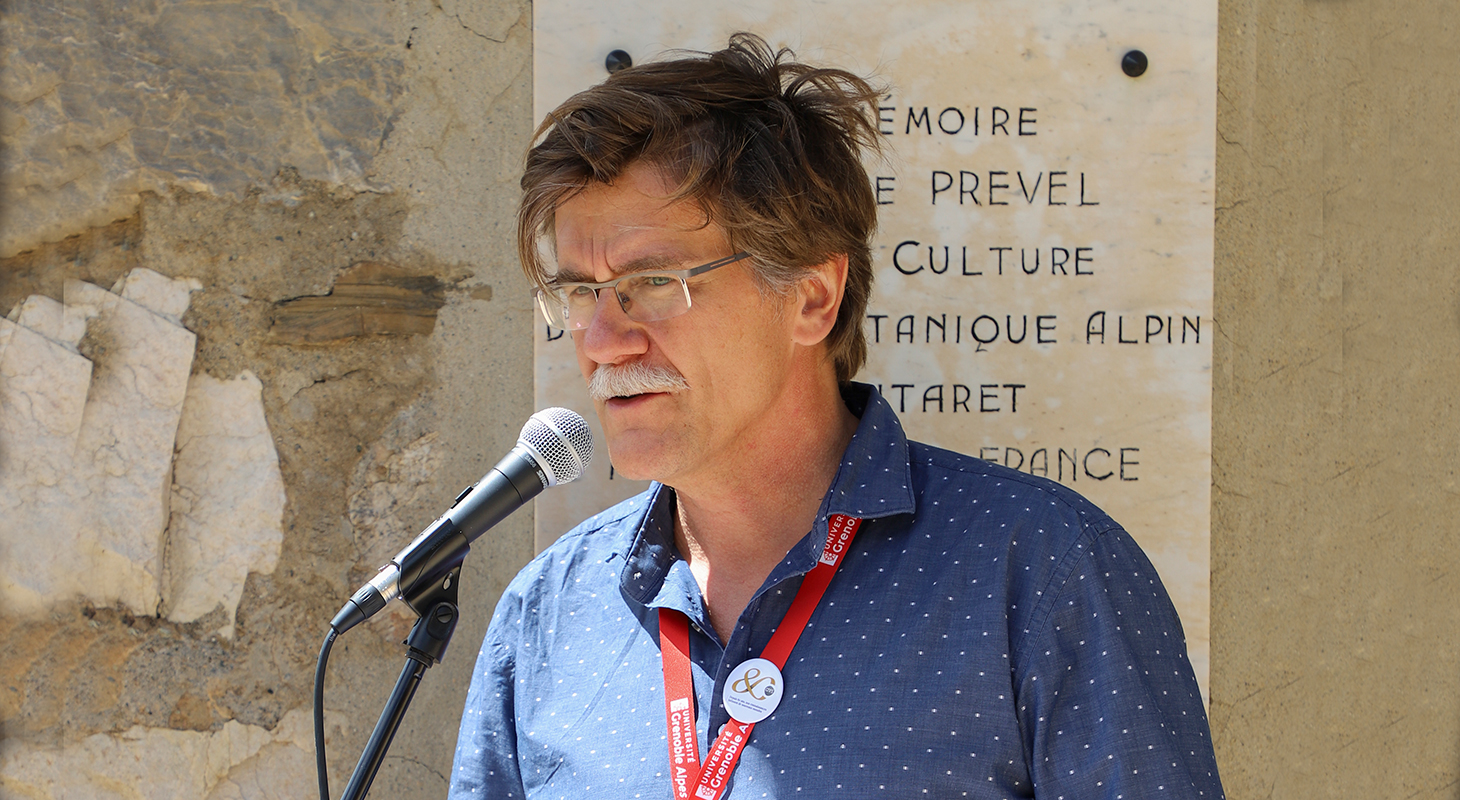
(644,298)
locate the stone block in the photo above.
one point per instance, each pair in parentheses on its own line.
(43,389)
(488,20)
(125,448)
(236,761)
(164,296)
(47,317)
(254,145)
(227,499)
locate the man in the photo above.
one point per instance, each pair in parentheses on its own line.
(804,602)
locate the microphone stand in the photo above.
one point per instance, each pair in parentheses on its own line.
(425,646)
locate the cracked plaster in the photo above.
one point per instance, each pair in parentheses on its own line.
(490,21)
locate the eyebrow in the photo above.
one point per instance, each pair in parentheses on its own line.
(649,263)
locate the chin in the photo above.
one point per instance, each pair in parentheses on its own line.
(638,463)
(631,462)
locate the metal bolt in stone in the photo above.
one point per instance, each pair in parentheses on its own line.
(617,60)
(1134,63)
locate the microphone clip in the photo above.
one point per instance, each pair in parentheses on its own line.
(432,632)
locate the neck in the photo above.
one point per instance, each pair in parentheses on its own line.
(734,530)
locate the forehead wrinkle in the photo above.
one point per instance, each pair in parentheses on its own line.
(615,226)
(646,263)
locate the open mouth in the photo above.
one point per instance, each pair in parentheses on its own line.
(628,401)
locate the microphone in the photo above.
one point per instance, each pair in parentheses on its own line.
(553,448)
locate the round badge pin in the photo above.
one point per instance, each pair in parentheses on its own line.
(753,691)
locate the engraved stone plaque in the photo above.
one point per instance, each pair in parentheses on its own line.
(1044,260)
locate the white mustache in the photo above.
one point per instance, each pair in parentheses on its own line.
(608,381)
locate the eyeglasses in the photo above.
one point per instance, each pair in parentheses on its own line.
(644,296)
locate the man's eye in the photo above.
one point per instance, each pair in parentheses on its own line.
(577,292)
(658,280)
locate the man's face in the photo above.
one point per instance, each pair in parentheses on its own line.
(733,348)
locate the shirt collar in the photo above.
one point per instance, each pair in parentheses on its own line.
(874,480)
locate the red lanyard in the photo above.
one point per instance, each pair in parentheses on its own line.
(688,778)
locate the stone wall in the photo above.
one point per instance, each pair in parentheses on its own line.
(262,324)
(1335,430)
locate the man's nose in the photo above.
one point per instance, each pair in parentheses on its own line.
(611,336)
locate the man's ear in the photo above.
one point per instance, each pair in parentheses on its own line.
(819,299)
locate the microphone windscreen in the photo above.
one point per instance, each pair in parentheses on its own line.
(562,442)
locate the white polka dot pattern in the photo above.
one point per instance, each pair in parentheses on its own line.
(990,635)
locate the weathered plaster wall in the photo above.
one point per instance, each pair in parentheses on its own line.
(263,325)
(1335,627)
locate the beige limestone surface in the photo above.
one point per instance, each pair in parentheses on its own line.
(1043,260)
(1336,428)
(43,395)
(227,499)
(90,455)
(47,317)
(125,447)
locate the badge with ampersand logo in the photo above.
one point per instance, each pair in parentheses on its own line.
(754,690)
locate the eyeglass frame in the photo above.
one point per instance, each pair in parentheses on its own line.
(682,275)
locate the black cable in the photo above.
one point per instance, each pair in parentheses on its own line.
(319,759)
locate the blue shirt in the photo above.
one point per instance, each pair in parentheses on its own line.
(991,634)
